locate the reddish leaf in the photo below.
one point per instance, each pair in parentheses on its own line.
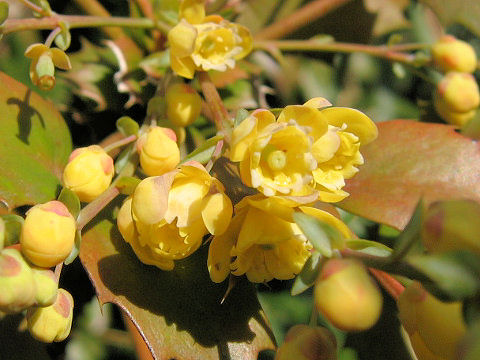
(410,160)
(178,312)
(35,145)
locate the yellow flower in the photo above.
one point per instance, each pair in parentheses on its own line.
(304,151)
(44,61)
(89,172)
(167,216)
(203,43)
(263,241)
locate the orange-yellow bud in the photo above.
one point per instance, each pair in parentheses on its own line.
(451,117)
(52,323)
(451,54)
(46,286)
(304,342)
(184,104)
(48,234)
(159,152)
(89,172)
(459,92)
(347,296)
(16,282)
(439,325)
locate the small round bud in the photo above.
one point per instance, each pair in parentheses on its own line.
(347,296)
(451,117)
(439,325)
(304,342)
(451,54)
(48,234)
(46,286)
(459,92)
(89,172)
(16,282)
(159,152)
(52,323)
(184,104)
(45,71)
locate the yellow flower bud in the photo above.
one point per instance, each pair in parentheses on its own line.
(459,92)
(159,152)
(347,296)
(46,286)
(184,104)
(451,117)
(89,172)
(52,323)
(304,342)
(48,234)
(451,54)
(16,282)
(439,325)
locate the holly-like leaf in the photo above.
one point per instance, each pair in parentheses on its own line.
(35,146)
(410,160)
(177,312)
(465,12)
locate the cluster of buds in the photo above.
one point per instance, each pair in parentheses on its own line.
(457,95)
(27,282)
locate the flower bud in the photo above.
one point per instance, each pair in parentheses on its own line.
(16,282)
(304,342)
(89,172)
(347,296)
(451,54)
(52,323)
(159,152)
(46,286)
(459,92)
(45,71)
(452,225)
(48,234)
(184,104)
(451,117)
(439,325)
(125,221)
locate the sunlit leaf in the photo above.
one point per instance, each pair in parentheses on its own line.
(317,233)
(410,160)
(35,146)
(307,276)
(127,126)
(71,201)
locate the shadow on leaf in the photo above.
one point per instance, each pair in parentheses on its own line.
(25,115)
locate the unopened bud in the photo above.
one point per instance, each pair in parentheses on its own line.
(46,286)
(52,323)
(150,199)
(304,342)
(439,325)
(159,152)
(184,104)
(459,92)
(451,117)
(16,282)
(89,172)
(451,54)
(48,234)
(125,221)
(347,296)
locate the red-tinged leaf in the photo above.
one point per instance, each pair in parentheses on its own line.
(35,145)
(177,312)
(410,160)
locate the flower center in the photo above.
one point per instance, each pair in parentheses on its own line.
(277,160)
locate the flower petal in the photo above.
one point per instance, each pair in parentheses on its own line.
(184,67)
(217,213)
(60,59)
(192,10)
(182,39)
(35,50)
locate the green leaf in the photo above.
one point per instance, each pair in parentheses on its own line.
(318,233)
(471,310)
(369,247)
(76,249)
(410,239)
(203,153)
(309,273)
(453,275)
(124,158)
(178,312)
(13,227)
(410,160)
(388,231)
(465,12)
(71,201)
(127,126)
(3,11)
(156,65)
(127,184)
(35,146)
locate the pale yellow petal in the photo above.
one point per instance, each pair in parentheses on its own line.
(60,59)
(217,213)
(181,39)
(182,66)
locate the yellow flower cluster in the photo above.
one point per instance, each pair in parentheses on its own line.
(167,216)
(203,43)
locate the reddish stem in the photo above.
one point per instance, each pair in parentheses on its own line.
(299,18)
(392,286)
